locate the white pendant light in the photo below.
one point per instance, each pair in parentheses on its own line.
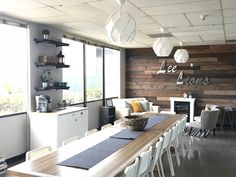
(121,27)
(162,46)
(181,55)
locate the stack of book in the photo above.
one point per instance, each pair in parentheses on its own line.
(3,165)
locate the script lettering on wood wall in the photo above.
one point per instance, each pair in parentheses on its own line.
(192,80)
(170,69)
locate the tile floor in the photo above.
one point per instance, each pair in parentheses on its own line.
(208,157)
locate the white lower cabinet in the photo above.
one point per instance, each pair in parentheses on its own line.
(50,129)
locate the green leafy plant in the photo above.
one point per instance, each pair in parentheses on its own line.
(45,32)
(44,77)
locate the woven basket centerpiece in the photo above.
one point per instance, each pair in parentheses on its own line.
(136,122)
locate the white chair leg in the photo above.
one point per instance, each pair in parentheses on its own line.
(159,170)
(152,174)
(162,170)
(170,162)
(177,155)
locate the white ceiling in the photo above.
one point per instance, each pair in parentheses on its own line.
(87,18)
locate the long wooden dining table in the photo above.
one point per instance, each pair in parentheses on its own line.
(113,165)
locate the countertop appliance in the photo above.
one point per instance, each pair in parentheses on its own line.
(43,103)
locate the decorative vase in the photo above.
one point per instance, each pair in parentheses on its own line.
(44,84)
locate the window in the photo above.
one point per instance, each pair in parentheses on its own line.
(13,72)
(73,75)
(94,72)
(112,73)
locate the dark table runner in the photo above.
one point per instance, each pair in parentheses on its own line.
(90,157)
(127,134)
(102,150)
(154,120)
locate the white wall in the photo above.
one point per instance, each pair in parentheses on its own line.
(15,132)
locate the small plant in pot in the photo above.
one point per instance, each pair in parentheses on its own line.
(45,33)
(44,79)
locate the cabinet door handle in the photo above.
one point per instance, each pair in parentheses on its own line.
(75,119)
(81,113)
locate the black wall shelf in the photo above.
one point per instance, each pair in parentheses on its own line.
(49,41)
(51,88)
(57,65)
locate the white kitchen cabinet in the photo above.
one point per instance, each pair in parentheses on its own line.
(50,129)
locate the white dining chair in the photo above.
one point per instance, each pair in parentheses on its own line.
(90,132)
(69,140)
(36,153)
(180,141)
(106,126)
(166,142)
(173,142)
(145,161)
(156,157)
(132,170)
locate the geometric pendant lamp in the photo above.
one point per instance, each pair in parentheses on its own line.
(162,46)
(121,26)
(181,55)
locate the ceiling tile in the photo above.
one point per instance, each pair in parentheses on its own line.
(196,28)
(230,28)
(229,12)
(182,8)
(231,36)
(228,4)
(23,4)
(205,43)
(132,10)
(61,2)
(212,17)
(190,39)
(230,19)
(87,27)
(174,20)
(57,19)
(149,3)
(213,37)
(149,28)
(37,13)
(107,6)
(143,20)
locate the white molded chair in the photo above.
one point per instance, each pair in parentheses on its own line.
(166,142)
(69,140)
(36,153)
(156,157)
(106,126)
(90,132)
(174,141)
(145,161)
(132,170)
(180,141)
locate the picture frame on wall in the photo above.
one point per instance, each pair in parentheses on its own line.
(109,103)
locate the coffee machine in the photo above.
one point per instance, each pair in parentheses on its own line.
(43,103)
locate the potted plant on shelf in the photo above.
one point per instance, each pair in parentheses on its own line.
(45,33)
(190,94)
(44,79)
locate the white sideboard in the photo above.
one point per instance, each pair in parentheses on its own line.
(50,129)
(181,99)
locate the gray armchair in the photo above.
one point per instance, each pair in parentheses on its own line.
(207,121)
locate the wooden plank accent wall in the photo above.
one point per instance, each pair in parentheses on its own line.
(218,62)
